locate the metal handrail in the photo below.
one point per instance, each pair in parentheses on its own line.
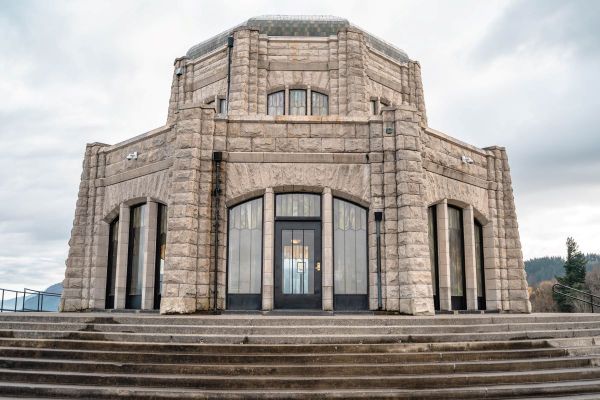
(555,289)
(24,293)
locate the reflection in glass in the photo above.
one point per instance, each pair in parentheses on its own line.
(298,205)
(457,262)
(297,248)
(350,248)
(245,248)
(113,245)
(431,216)
(319,104)
(161,243)
(297,102)
(479,259)
(276,103)
(137,247)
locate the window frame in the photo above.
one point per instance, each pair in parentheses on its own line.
(312,103)
(279,91)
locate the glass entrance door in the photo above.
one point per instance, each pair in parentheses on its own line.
(298,264)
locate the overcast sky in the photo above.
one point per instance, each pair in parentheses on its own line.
(520,74)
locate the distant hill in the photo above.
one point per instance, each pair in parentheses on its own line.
(50,303)
(546,268)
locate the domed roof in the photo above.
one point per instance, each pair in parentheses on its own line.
(297,25)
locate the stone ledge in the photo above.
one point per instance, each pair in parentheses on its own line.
(298,66)
(454,174)
(297,119)
(459,143)
(135,173)
(137,139)
(315,158)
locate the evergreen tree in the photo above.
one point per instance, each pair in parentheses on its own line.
(574,275)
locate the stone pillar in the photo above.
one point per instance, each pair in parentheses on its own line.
(377,201)
(327,256)
(416,295)
(286,100)
(443,256)
(149,256)
(308,101)
(492,275)
(470,257)
(268,244)
(122,257)
(240,73)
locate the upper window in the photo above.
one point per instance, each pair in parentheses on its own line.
(373,106)
(223,106)
(297,102)
(298,205)
(276,103)
(319,104)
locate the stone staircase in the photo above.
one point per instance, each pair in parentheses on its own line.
(147,356)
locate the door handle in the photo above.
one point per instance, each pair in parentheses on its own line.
(318,266)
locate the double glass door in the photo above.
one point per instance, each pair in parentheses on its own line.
(298,264)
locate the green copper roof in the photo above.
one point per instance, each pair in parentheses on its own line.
(296,25)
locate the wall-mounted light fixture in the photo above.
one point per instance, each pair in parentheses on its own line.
(467,160)
(132,156)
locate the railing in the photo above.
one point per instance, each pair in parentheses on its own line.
(27,298)
(557,288)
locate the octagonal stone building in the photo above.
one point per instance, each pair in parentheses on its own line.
(296,170)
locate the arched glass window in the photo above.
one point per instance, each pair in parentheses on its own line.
(297,102)
(457,258)
(479,266)
(161,249)
(298,205)
(276,103)
(138,229)
(349,255)
(111,273)
(433,256)
(319,103)
(245,255)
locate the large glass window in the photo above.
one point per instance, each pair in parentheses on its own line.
(479,265)
(161,249)
(457,258)
(137,248)
(276,103)
(349,248)
(245,248)
(298,205)
(297,102)
(433,257)
(113,245)
(319,103)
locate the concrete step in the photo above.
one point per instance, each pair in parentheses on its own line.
(296,329)
(340,337)
(315,369)
(215,382)
(284,358)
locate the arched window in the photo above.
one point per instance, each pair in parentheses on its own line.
(297,102)
(276,103)
(433,255)
(457,258)
(319,103)
(349,256)
(161,249)
(245,255)
(479,265)
(111,273)
(138,229)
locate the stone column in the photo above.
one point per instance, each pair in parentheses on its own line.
(443,256)
(416,295)
(308,101)
(268,243)
(286,100)
(149,256)
(470,257)
(122,257)
(493,298)
(327,256)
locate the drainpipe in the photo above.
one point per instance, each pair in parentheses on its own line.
(229,50)
(378,218)
(217,157)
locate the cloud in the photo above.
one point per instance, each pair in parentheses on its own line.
(522,74)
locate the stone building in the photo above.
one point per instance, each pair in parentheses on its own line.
(296,170)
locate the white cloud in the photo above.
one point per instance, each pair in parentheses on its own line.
(519,74)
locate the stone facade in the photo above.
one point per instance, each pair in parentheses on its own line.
(387,161)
